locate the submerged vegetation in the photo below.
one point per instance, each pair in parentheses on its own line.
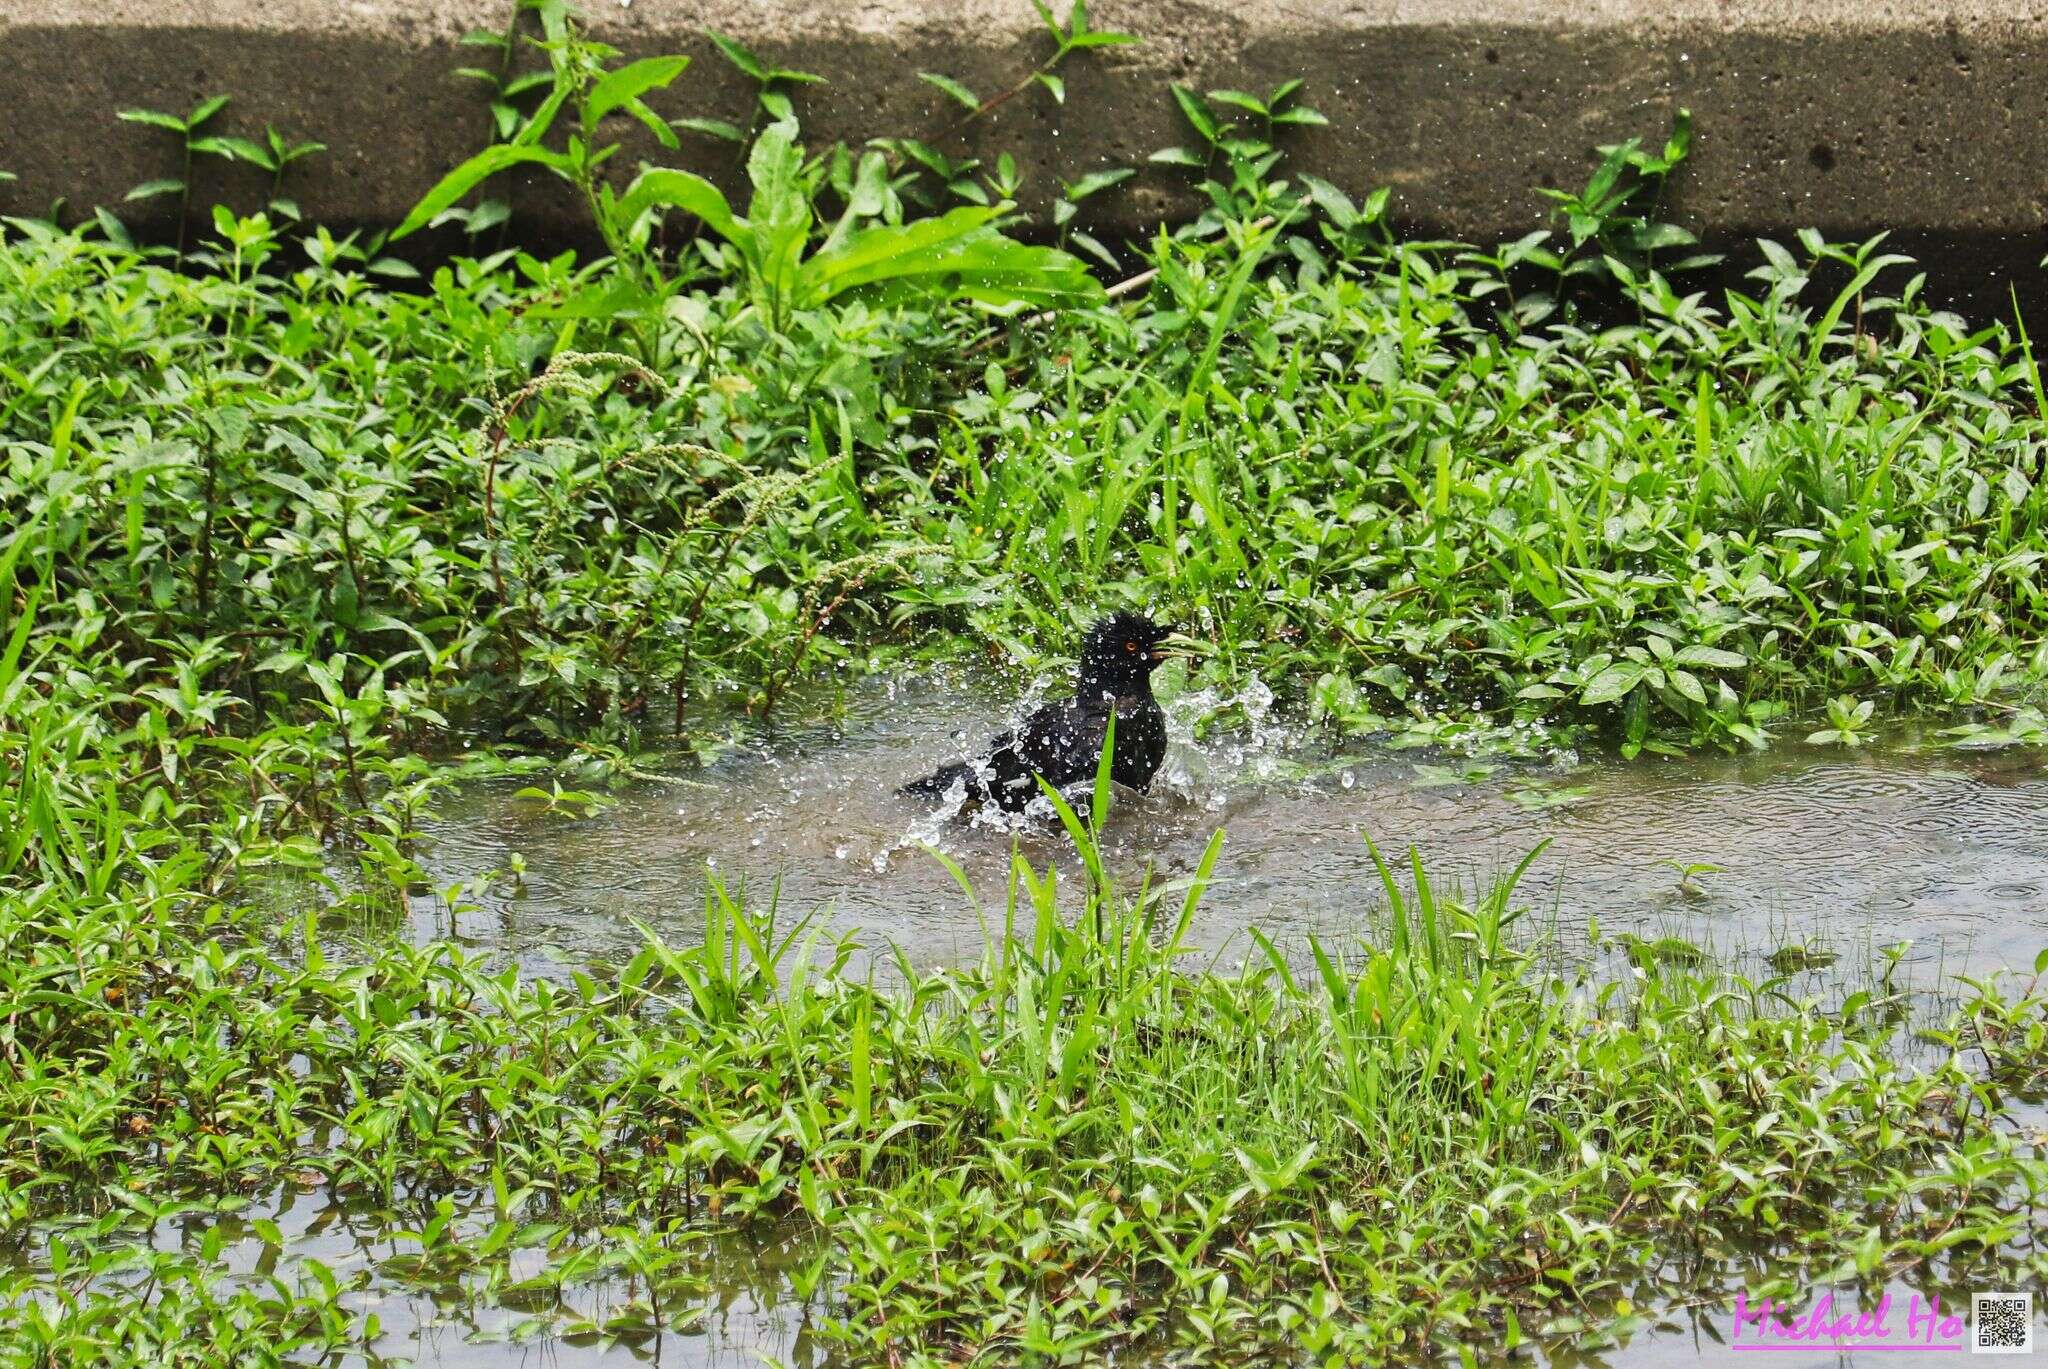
(282,526)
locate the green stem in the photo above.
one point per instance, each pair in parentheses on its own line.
(184,196)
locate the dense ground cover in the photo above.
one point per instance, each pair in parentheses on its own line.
(1330,457)
(281,525)
(1073,1146)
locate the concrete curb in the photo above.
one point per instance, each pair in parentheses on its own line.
(1926,119)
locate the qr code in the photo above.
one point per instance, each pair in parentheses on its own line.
(2004,1323)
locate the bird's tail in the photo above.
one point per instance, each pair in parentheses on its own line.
(939,781)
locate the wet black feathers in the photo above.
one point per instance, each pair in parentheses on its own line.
(1063,741)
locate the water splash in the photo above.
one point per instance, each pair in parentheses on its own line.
(1946,849)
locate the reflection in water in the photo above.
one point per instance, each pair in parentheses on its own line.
(743,1311)
(1943,848)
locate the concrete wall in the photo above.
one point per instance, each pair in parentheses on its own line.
(1930,119)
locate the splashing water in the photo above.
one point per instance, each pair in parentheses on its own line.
(1943,848)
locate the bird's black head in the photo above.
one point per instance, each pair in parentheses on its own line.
(1120,654)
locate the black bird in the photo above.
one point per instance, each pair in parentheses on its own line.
(1063,741)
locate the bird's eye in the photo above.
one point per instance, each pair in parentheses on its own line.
(1130,648)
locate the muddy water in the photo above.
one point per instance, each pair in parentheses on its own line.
(1832,848)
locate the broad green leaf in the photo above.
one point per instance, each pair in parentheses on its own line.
(488,214)
(1330,200)
(951,87)
(867,198)
(469,175)
(1679,144)
(1102,38)
(779,211)
(624,297)
(148,189)
(536,128)
(525,81)
(1017,285)
(1656,237)
(554,19)
(1611,683)
(116,231)
(1712,657)
(1093,246)
(630,82)
(870,186)
(155,118)
(654,124)
(1249,103)
(1197,113)
(1781,261)
(291,484)
(738,54)
(1096,181)
(887,250)
(686,191)
(205,110)
(716,128)
(237,149)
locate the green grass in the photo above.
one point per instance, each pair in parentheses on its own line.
(1337,466)
(278,531)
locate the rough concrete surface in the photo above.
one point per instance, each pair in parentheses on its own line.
(1928,119)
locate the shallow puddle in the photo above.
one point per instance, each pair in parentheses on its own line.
(1819,848)
(1814,849)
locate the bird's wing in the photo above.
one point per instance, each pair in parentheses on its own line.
(1063,741)
(998,762)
